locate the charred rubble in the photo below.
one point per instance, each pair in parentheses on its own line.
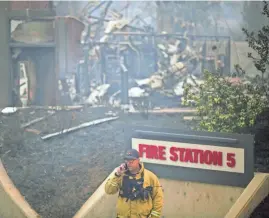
(133,65)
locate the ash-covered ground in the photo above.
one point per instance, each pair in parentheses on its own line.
(57,176)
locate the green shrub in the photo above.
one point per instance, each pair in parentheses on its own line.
(223,106)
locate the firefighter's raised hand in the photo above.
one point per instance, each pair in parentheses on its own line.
(121,169)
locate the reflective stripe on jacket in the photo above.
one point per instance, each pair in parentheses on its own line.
(138,208)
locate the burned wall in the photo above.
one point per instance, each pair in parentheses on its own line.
(5,76)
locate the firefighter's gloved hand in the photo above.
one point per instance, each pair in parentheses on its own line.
(121,169)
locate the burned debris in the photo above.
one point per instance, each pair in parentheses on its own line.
(113,53)
(127,61)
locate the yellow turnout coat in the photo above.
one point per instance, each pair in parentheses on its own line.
(138,208)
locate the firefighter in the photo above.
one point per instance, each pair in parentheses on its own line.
(140,192)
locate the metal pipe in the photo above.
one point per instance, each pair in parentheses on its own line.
(98,6)
(168,34)
(115,43)
(97,32)
(26,45)
(19,18)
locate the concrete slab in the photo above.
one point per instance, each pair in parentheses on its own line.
(182,199)
(252,196)
(12,203)
(190,200)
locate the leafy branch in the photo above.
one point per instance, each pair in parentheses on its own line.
(260,43)
(224,106)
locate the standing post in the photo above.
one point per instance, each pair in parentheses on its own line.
(84,64)
(85,68)
(229,56)
(124,82)
(204,54)
(103,63)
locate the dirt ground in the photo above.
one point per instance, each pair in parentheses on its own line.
(57,176)
(262,211)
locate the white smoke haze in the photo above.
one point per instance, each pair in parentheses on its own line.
(168,61)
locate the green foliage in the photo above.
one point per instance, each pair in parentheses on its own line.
(260,42)
(223,106)
(226,107)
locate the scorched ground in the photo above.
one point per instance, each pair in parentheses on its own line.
(57,176)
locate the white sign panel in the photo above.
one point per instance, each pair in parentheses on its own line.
(190,155)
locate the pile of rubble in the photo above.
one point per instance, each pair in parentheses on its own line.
(183,66)
(178,60)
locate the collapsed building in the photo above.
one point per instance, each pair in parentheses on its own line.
(105,57)
(138,63)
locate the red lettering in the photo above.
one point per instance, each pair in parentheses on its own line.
(142,148)
(173,154)
(152,152)
(217,158)
(197,153)
(188,156)
(198,156)
(162,153)
(202,157)
(155,152)
(214,158)
(208,157)
(231,160)
(181,154)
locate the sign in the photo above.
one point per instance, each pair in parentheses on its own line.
(190,155)
(215,158)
